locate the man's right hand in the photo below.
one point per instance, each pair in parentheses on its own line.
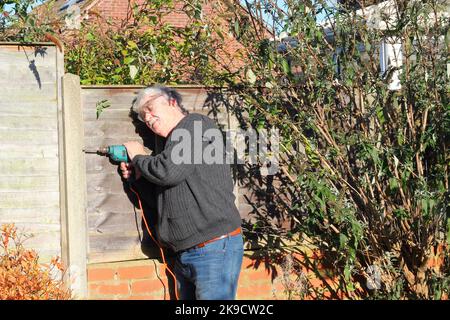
(127,170)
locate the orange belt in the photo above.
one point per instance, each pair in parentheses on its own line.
(232,233)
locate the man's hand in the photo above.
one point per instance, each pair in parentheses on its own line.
(134,148)
(127,170)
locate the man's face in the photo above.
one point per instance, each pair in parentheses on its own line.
(158,114)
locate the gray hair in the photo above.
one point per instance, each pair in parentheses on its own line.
(169,93)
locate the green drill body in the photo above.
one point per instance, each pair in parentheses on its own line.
(117,153)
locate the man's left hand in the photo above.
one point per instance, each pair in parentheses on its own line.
(134,148)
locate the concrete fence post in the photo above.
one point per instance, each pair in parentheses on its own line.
(73,218)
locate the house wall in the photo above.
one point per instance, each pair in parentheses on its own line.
(118,11)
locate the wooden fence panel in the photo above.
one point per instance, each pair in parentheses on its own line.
(114,224)
(29,144)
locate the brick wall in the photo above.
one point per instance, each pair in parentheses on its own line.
(118,9)
(147,280)
(115,9)
(137,280)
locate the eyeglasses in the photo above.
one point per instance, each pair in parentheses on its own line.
(147,105)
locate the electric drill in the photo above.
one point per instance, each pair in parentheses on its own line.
(117,153)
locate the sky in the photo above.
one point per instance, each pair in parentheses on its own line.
(281,3)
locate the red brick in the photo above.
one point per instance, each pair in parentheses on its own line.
(138,272)
(164,273)
(100,274)
(278,287)
(259,275)
(247,262)
(147,286)
(317,282)
(255,292)
(113,289)
(102,298)
(93,289)
(143,298)
(160,294)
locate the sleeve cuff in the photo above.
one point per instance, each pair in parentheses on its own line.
(136,159)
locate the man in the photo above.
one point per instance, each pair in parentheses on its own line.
(197,217)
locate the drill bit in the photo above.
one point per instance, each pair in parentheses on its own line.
(89,151)
(100,151)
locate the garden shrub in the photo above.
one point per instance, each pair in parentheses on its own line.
(22,276)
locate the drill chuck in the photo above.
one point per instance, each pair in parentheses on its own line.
(103,150)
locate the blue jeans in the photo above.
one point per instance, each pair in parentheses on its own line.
(210,272)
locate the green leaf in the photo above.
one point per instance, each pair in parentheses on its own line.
(100,79)
(152,49)
(427,206)
(269,85)
(448,231)
(251,77)
(393,184)
(116,78)
(380,115)
(101,105)
(400,138)
(236,28)
(133,71)
(342,240)
(220,34)
(400,213)
(286,67)
(447,39)
(132,44)
(128,60)
(347,272)
(351,287)
(90,36)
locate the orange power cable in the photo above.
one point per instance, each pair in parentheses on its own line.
(157,243)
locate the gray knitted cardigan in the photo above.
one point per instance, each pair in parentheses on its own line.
(195,201)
